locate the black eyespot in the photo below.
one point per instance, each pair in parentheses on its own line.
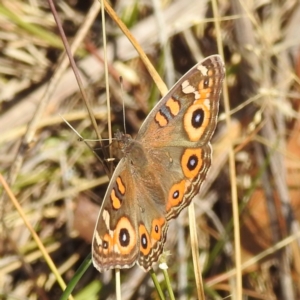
(156,229)
(206,83)
(144,241)
(124,237)
(176,194)
(197,118)
(105,245)
(192,162)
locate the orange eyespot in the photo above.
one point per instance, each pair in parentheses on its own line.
(156,228)
(145,243)
(124,236)
(195,121)
(191,162)
(107,244)
(176,194)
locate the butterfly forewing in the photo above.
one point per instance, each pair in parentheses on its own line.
(188,112)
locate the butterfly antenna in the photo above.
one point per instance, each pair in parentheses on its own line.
(122,91)
(80,138)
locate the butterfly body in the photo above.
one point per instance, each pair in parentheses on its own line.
(161,171)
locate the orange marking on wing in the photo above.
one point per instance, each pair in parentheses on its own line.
(124,227)
(116,202)
(191,171)
(107,244)
(144,248)
(174,106)
(205,92)
(156,230)
(161,119)
(211,73)
(176,194)
(121,186)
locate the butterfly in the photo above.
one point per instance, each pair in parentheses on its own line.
(160,172)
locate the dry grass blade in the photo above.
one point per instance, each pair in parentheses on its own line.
(33,233)
(160,84)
